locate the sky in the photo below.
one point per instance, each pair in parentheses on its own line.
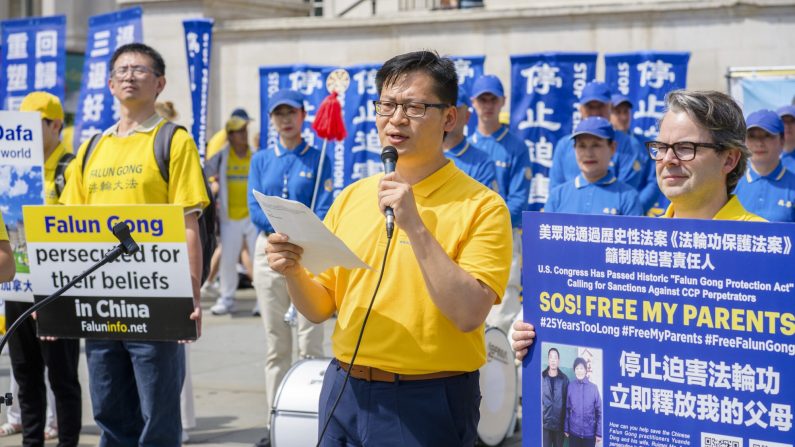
(19,185)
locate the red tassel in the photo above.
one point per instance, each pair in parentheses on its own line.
(328,119)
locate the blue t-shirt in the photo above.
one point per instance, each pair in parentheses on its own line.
(771,196)
(629,163)
(474,162)
(605,196)
(788,158)
(512,165)
(290,174)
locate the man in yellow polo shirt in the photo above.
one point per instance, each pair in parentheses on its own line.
(228,170)
(29,355)
(700,156)
(415,378)
(219,139)
(135,385)
(8,268)
(55,151)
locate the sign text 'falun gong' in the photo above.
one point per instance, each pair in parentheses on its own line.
(144,296)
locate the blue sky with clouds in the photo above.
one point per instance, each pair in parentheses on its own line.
(19,186)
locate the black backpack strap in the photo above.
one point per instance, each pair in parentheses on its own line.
(60,172)
(92,144)
(162,147)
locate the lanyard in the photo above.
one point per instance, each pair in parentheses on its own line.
(295,152)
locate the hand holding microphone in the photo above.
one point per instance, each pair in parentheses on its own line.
(395,196)
(389,158)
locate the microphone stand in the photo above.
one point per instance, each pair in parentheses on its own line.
(127,246)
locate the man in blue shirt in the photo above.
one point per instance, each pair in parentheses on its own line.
(466,156)
(787,115)
(287,170)
(630,162)
(621,113)
(596,190)
(767,188)
(512,164)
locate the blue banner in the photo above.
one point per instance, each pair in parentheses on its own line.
(469,68)
(546,88)
(362,147)
(33,59)
(646,77)
(198,45)
(310,80)
(660,332)
(359,155)
(97,109)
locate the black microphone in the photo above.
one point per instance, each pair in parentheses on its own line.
(389,157)
(122,233)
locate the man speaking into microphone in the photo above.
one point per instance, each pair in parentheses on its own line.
(414,381)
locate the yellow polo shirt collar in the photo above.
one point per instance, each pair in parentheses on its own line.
(732,210)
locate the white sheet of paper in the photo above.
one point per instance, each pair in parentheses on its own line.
(322,249)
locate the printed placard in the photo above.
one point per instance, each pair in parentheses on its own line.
(21,183)
(666,332)
(143,296)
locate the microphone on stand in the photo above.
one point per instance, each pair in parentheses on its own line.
(389,157)
(122,233)
(127,246)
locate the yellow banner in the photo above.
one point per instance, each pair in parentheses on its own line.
(94,223)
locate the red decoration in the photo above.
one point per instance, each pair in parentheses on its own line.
(328,119)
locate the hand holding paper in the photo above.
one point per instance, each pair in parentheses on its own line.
(322,249)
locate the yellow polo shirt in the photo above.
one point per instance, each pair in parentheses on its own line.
(122,170)
(406,333)
(3,231)
(50,165)
(237,184)
(732,210)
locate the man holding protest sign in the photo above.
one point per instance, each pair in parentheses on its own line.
(135,385)
(700,156)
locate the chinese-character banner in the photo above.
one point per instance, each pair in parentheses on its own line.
(646,77)
(310,80)
(198,41)
(469,68)
(546,88)
(362,148)
(656,332)
(359,155)
(33,59)
(97,109)
(21,184)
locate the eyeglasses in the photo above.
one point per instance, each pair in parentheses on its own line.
(138,71)
(683,150)
(411,109)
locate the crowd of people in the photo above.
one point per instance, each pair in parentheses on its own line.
(457,244)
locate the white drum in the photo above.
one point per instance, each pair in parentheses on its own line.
(295,408)
(499,386)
